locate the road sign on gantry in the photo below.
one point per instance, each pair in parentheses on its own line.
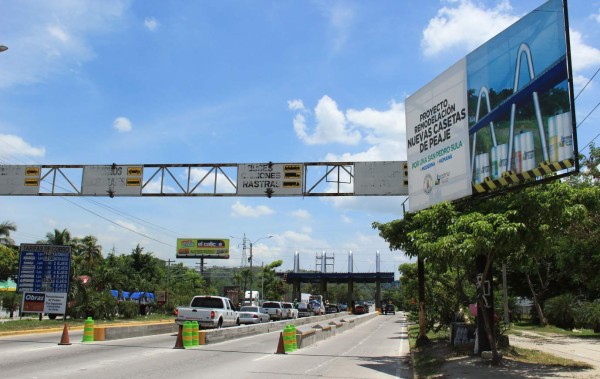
(271,179)
(112,180)
(19,180)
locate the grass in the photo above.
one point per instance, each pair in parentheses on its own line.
(540,358)
(519,327)
(35,324)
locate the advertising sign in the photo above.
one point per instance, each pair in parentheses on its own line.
(44,268)
(215,248)
(519,114)
(44,302)
(270,179)
(20,180)
(112,180)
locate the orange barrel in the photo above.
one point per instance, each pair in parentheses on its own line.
(195,341)
(201,337)
(88,330)
(187,334)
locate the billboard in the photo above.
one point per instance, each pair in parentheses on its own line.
(500,117)
(215,248)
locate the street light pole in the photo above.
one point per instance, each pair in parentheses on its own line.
(250,259)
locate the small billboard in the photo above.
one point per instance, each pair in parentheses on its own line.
(501,117)
(213,248)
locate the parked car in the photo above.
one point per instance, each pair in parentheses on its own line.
(360,309)
(342,307)
(275,310)
(253,315)
(389,308)
(291,311)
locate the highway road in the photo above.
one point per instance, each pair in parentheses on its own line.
(377,348)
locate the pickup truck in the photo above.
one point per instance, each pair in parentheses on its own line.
(291,311)
(275,310)
(209,311)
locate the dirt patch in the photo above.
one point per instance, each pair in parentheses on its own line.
(444,361)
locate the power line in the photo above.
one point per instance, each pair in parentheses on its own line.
(586,84)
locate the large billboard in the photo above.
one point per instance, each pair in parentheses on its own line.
(500,117)
(215,248)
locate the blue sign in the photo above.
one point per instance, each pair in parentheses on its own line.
(44,268)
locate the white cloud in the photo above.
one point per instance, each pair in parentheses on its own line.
(597,16)
(465,25)
(127,225)
(49,39)
(295,105)
(340,16)
(302,214)
(582,55)
(346,219)
(241,210)
(151,23)
(331,125)
(122,125)
(12,146)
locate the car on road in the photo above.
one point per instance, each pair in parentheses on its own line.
(275,310)
(342,307)
(389,309)
(253,315)
(360,309)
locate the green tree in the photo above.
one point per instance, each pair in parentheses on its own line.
(5,229)
(89,254)
(9,263)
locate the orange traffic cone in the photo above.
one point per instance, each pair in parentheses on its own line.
(179,342)
(280,347)
(64,340)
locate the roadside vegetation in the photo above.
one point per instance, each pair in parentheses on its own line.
(28,324)
(546,236)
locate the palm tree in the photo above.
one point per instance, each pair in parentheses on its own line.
(89,252)
(58,238)
(5,228)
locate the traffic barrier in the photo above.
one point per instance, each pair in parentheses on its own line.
(88,330)
(289,338)
(64,339)
(179,341)
(187,334)
(201,337)
(195,337)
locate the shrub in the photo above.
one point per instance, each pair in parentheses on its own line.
(561,310)
(588,316)
(129,309)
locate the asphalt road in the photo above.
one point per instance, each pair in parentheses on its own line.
(377,348)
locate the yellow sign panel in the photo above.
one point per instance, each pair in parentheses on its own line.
(291,184)
(134,171)
(32,171)
(134,182)
(291,167)
(32,182)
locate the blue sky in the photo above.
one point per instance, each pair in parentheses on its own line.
(140,82)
